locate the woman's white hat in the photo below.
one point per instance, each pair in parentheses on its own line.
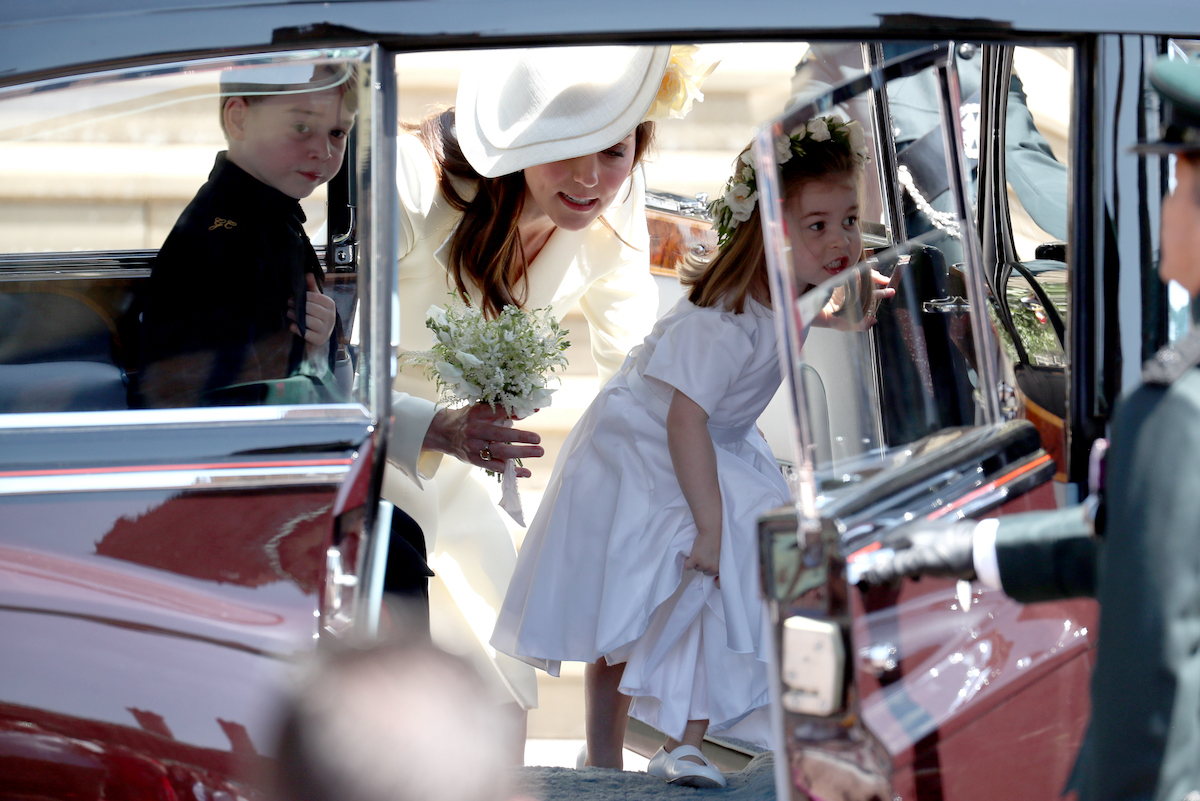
(526,107)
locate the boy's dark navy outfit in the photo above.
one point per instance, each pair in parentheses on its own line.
(215,319)
(215,316)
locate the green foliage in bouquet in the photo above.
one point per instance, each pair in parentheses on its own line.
(505,361)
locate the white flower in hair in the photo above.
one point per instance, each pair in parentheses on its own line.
(740,200)
(783,149)
(680,85)
(818,129)
(858,141)
(741,190)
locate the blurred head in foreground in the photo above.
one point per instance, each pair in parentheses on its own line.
(391,723)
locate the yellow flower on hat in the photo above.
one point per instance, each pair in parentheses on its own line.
(680,86)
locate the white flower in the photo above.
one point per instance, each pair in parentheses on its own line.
(680,85)
(858,141)
(836,120)
(783,149)
(740,200)
(502,361)
(539,398)
(453,377)
(438,315)
(747,174)
(468,359)
(818,129)
(748,158)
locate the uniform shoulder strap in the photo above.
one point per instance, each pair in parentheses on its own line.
(1171,362)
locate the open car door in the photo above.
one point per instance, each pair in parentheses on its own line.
(903,411)
(161,568)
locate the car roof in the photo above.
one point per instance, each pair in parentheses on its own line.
(51,36)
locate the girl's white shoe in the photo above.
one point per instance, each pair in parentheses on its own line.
(684,772)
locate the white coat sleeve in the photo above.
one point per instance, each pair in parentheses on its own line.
(416,183)
(411,417)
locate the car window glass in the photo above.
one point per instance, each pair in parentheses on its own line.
(1037,160)
(97,170)
(1181,310)
(1037,155)
(877,375)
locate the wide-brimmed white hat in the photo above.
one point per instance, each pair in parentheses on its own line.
(527,107)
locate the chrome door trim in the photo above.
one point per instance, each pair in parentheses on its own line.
(381,319)
(986,346)
(329,473)
(102,75)
(885,142)
(124,418)
(380,241)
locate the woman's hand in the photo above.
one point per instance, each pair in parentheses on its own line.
(320,316)
(477,431)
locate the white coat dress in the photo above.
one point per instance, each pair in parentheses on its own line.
(468,543)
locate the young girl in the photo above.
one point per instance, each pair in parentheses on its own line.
(642,559)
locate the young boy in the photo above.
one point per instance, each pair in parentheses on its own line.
(234,312)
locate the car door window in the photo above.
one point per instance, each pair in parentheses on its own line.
(877,378)
(1181,310)
(98,169)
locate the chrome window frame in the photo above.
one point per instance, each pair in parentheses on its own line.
(371,405)
(940,56)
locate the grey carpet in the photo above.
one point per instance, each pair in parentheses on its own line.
(756,782)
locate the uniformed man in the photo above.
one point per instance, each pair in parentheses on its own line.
(1143,741)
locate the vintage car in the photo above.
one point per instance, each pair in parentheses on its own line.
(161,569)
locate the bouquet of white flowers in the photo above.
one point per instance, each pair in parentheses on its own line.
(506,361)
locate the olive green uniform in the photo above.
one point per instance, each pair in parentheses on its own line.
(1143,740)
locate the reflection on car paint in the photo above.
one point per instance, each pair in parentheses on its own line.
(951,655)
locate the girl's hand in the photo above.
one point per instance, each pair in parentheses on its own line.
(879,295)
(705,555)
(836,315)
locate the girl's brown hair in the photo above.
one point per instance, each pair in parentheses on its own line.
(485,249)
(740,267)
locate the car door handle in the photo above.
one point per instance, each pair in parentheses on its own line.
(954,305)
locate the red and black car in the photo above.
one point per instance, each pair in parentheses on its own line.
(161,569)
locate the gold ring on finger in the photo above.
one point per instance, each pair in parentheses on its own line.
(485,454)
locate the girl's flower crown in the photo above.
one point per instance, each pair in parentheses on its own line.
(736,203)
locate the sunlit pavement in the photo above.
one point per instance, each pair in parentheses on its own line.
(562,754)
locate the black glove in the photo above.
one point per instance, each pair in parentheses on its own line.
(926,548)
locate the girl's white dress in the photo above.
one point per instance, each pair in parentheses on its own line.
(600,572)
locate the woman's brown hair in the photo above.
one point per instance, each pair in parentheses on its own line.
(740,267)
(485,249)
